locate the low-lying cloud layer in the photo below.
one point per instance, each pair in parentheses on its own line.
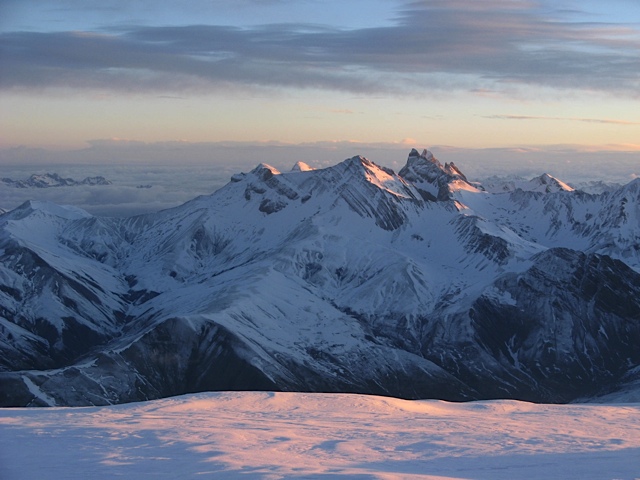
(178,172)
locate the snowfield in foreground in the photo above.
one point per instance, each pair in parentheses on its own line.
(287,435)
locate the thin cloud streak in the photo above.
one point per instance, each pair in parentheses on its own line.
(569,119)
(434,45)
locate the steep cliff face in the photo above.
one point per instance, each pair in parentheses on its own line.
(569,322)
(351,278)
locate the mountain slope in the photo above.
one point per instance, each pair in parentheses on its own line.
(351,278)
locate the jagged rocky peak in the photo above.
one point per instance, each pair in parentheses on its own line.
(421,166)
(302,167)
(358,161)
(548,184)
(454,171)
(357,168)
(266,185)
(275,189)
(265,171)
(426,154)
(426,160)
(433,180)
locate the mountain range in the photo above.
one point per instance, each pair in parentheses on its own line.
(352,278)
(48,180)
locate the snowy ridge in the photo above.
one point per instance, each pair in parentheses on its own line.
(353,278)
(544,183)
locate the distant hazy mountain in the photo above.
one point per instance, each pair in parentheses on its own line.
(353,278)
(49,180)
(544,183)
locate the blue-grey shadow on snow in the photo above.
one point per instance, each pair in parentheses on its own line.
(622,464)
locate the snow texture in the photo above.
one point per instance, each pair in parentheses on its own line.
(295,435)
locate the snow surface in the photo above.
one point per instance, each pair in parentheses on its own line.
(296,435)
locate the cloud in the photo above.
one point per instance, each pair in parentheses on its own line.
(493,45)
(178,172)
(168,186)
(570,119)
(570,163)
(342,111)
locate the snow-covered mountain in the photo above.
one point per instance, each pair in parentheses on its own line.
(544,183)
(597,186)
(353,278)
(48,180)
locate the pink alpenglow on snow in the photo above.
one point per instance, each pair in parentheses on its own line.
(293,435)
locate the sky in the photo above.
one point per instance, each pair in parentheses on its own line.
(522,81)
